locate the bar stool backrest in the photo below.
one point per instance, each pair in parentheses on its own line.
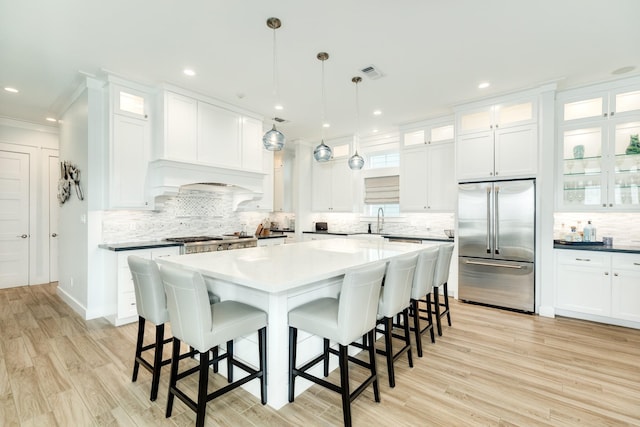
(188,303)
(398,280)
(444,262)
(358,305)
(425,272)
(151,301)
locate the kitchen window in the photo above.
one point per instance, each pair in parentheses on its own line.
(382,191)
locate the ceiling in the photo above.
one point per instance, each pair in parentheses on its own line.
(433,54)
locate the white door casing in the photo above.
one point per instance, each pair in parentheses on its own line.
(14,219)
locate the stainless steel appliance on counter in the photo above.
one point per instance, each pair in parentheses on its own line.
(496,238)
(197,244)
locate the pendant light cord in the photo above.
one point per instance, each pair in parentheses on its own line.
(357,119)
(324,103)
(275,69)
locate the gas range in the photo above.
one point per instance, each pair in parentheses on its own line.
(197,244)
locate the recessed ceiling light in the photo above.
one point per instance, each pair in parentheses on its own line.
(375,131)
(51,119)
(189,72)
(11,89)
(279,107)
(484,85)
(326,125)
(377,112)
(624,70)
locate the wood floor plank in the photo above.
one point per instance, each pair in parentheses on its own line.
(491,368)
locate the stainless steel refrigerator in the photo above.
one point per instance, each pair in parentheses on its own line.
(496,243)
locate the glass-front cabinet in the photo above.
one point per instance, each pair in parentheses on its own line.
(599,152)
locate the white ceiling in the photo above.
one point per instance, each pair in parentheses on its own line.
(433,53)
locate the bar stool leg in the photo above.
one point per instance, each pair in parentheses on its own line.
(262,343)
(229,359)
(407,336)
(175,359)
(388,344)
(326,357)
(344,384)
(202,388)
(446,302)
(139,341)
(430,314)
(293,338)
(372,364)
(416,326)
(436,301)
(157,361)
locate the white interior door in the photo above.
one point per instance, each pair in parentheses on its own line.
(54,210)
(14,219)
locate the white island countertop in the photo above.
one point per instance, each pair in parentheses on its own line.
(275,269)
(277,279)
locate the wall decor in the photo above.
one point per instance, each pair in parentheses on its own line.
(69,175)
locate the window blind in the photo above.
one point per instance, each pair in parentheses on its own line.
(382,190)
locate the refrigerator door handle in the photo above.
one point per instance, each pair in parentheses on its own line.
(496,219)
(489,264)
(488,220)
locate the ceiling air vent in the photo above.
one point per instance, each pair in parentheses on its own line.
(372,72)
(280,120)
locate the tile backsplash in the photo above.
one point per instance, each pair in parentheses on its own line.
(190,213)
(623,227)
(193,213)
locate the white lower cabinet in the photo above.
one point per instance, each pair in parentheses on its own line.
(307,237)
(272,241)
(601,284)
(122,294)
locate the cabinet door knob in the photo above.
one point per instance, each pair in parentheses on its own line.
(615,274)
(54,235)
(23,236)
(496,173)
(606,273)
(605,115)
(612,113)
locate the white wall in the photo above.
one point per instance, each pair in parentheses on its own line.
(82,142)
(39,142)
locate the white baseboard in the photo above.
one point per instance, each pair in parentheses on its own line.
(547,311)
(72,302)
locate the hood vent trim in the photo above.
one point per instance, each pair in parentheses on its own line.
(167,177)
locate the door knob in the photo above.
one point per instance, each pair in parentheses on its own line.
(24,236)
(54,235)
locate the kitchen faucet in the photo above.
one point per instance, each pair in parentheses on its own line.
(379,225)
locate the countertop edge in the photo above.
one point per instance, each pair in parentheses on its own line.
(619,249)
(390,236)
(132,246)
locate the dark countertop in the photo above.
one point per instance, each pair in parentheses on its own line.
(282,230)
(390,236)
(273,235)
(599,248)
(131,246)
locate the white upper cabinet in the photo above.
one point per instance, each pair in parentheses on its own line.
(200,131)
(427,179)
(180,133)
(332,182)
(598,168)
(218,136)
(129,146)
(497,141)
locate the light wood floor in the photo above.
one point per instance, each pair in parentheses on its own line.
(492,367)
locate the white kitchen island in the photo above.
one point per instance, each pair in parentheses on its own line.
(277,279)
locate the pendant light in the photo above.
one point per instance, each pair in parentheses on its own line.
(274,140)
(323,152)
(356,162)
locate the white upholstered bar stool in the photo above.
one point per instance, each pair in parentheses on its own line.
(441,277)
(395,300)
(342,320)
(204,327)
(151,304)
(421,292)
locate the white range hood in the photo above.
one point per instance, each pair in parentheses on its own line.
(167,177)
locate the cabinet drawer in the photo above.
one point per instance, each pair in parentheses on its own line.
(123,257)
(127,305)
(626,262)
(583,258)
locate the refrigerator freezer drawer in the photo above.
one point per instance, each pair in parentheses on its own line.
(505,284)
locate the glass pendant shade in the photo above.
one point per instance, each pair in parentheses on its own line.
(356,162)
(273,140)
(323,152)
